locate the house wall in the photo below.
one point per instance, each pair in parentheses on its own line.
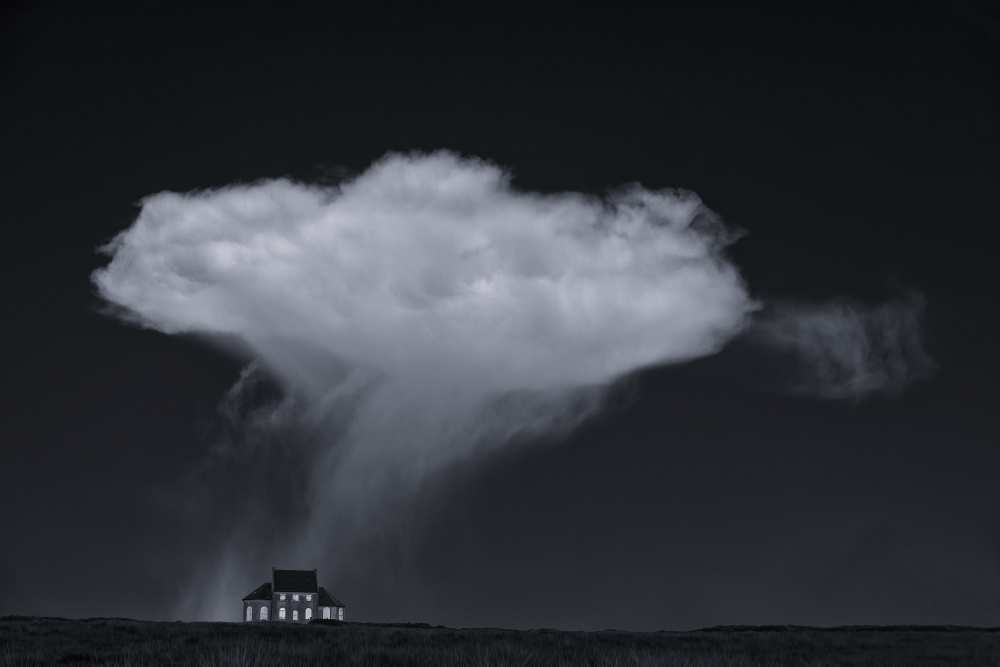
(290,605)
(336,613)
(256,605)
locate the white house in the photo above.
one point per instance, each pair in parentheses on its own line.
(292,596)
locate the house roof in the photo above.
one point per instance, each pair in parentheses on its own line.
(262,592)
(324,599)
(295,580)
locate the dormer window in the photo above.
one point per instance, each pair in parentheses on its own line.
(295,597)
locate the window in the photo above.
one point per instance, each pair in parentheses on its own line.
(281,597)
(281,613)
(309,613)
(295,597)
(309,598)
(295,614)
(340,613)
(249,613)
(326,612)
(263,613)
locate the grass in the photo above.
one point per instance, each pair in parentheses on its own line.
(53,641)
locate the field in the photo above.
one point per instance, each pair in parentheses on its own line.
(54,641)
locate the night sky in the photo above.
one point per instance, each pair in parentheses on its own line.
(854,148)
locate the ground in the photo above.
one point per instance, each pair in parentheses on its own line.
(47,641)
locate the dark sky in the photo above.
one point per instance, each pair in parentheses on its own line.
(856,147)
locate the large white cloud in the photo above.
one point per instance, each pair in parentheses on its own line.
(433,267)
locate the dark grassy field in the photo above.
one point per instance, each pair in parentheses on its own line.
(52,641)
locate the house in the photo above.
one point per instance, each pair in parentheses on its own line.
(292,596)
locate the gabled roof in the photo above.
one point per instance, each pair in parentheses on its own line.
(303,581)
(324,599)
(262,592)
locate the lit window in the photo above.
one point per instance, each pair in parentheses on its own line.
(295,614)
(295,597)
(309,598)
(281,613)
(263,613)
(281,597)
(326,612)
(340,613)
(249,613)
(309,613)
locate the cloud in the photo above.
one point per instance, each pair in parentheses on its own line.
(426,310)
(850,350)
(432,266)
